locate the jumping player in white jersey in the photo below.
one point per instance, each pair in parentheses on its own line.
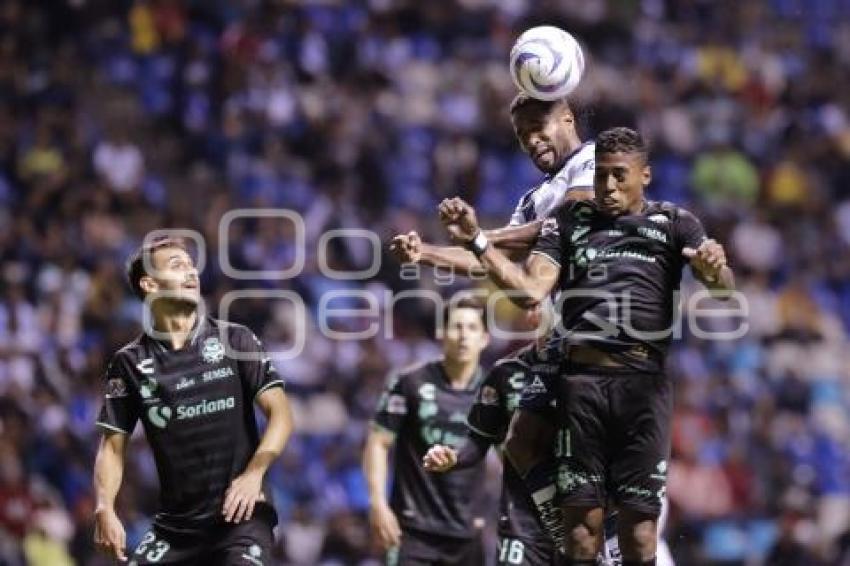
(548,133)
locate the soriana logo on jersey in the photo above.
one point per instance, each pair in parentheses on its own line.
(160,415)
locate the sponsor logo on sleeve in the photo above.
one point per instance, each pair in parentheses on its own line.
(489,395)
(116,388)
(396,405)
(254,555)
(550,226)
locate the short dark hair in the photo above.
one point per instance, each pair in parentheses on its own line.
(143,256)
(621,140)
(522,100)
(466,300)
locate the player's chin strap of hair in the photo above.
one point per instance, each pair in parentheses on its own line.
(478,244)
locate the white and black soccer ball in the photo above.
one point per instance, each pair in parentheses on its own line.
(546,63)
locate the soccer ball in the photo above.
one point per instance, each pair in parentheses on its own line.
(546,63)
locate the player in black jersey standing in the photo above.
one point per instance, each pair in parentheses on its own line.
(429,519)
(618,261)
(523,539)
(193,381)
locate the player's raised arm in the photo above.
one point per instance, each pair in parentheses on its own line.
(528,285)
(109,535)
(514,240)
(708,262)
(706,256)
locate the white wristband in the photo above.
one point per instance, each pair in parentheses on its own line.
(478,244)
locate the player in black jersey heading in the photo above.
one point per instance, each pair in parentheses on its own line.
(429,518)
(193,381)
(618,261)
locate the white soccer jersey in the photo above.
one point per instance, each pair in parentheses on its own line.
(541,200)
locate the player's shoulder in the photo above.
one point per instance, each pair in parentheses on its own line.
(505,368)
(415,373)
(586,152)
(133,350)
(526,201)
(663,211)
(584,157)
(517,360)
(233,331)
(227,326)
(574,210)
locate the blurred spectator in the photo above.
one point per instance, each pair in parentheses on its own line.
(119,161)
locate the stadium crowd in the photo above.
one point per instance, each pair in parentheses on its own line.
(121,117)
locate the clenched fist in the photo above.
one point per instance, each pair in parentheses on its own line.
(708,259)
(440,458)
(459,219)
(407,248)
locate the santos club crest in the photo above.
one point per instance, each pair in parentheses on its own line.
(213,350)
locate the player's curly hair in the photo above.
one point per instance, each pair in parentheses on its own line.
(582,114)
(141,258)
(621,140)
(522,100)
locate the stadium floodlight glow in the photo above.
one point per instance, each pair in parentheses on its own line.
(300,244)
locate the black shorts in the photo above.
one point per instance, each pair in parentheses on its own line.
(244,544)
(526,551)
(614,439)
(540,393)
(427,549)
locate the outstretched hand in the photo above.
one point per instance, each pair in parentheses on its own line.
(407,248)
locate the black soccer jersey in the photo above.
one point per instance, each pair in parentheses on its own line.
(490,417)
(422,409)
(197,408)
(619,275)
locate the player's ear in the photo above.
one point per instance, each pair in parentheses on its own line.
(568,118)
(485,339)
(147,284)
(646,175)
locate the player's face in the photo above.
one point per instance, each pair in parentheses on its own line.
(465,335)
(619,182)
(175,273)
(544,134)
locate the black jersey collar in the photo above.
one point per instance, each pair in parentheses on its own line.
(201,324)
(473,384)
